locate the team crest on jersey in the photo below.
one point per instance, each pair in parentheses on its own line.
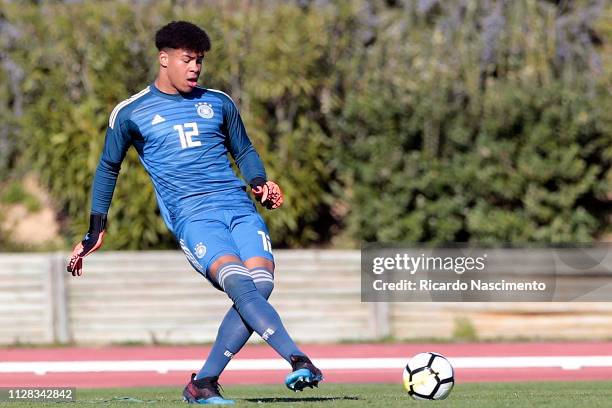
(200,250)
(205,110)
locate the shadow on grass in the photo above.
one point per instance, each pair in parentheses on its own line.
(121,399)
(305,399)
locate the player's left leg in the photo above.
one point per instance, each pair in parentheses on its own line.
(227,272)
(250,234)
(233,332)
(234,278)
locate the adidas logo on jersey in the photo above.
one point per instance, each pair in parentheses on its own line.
(158,119)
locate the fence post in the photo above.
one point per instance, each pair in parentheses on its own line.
(59,296)
(380,320)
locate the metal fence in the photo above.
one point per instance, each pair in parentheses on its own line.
(155,297)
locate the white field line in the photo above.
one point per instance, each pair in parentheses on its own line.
(163,366)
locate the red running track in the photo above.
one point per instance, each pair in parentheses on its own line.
(178,378)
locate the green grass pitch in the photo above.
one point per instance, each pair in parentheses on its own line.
(490,395)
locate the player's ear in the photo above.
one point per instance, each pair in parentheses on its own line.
(163,58)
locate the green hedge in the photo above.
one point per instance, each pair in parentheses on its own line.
(432,122)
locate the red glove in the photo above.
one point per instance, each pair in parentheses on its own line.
(269,195)
(92,241)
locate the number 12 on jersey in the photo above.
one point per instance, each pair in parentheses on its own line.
(186,135)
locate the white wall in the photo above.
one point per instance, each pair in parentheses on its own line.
(157,297)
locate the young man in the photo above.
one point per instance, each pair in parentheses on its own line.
(182,134)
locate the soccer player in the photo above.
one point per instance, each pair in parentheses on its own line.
(183,133)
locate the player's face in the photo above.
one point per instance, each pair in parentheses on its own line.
(183,68)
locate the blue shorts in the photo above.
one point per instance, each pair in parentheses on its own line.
(239,232)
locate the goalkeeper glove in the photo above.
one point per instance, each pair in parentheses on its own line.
(268,194)
(91,242)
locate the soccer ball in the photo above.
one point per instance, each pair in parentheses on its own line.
(428,376)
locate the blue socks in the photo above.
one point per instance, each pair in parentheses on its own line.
(234,332)
(250,312)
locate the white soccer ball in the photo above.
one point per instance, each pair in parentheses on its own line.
(429,376)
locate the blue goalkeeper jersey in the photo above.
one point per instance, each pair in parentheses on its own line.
(183,142)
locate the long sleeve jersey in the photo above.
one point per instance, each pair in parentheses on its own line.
(183,142)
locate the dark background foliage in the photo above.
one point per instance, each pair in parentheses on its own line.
(414,121)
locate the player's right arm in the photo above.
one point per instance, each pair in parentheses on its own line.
(116,143)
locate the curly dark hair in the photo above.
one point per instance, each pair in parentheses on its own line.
(182,35)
